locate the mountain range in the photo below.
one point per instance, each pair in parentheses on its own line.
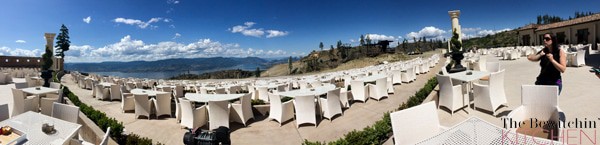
(178,65)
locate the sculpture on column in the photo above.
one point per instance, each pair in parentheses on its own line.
(456,53)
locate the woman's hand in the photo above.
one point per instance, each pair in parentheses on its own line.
(550,56)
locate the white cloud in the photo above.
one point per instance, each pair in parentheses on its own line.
(276,33)
(129,49)
(172,1)
(247,30)
(139,23)
(478,32)
(377,37)
(21,41)
(177,35)
(427,32)
(87,19)
(20,52)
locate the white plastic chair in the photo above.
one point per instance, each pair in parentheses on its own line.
(359,92)
(450,95)
(242,112)
(331,105)
(305,110)
(278,111)
(22,104)
(415,124)
(192,117)
(65,112)
(491,96)
(142,105)
(218,114)
(4,114)
(163,104)
(539,102)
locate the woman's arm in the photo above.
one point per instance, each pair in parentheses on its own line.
(536,56)
(562,64)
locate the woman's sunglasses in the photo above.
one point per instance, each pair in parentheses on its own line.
(547,39)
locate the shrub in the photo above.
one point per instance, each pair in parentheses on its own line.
(100,118)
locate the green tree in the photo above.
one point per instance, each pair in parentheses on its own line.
(321,46)
(362,40)
(368,39)
(47,59)
(339,44)
(290,65)
(62,41)
(257,72)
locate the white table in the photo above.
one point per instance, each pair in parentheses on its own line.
(304,92)
(148,92)
(477,131)
(106,85)
(211,97)
(371,78)
(31,124)
(462,76)
(42,90)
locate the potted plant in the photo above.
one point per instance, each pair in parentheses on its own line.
(457,53)
(46,64)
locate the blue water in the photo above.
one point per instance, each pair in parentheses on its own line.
(167,74)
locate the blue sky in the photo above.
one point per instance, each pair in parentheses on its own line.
(126,30)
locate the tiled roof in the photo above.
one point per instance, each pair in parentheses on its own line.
(590,18)
(530,26)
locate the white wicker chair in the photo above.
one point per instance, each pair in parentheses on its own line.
(492,66)
(142,105)
(46,105)
(396,77)
(539,102)
(242,112)
(4,114)
(89,84)
(218,114)
(379,90)
(178,93)
(21,85)
(263,93)
(163,104)
(580,60)
(450,95)
(279,111)
(331,105)
(305,110)
(115,92)
(54,85)
(359,92)
(101,92)
(192,117)
(415,124)
(491,96)
(177,109)
(104,140)
(22,104)
(127,100)
(3,78)
(65,112)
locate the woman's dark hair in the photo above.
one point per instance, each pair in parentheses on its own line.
(555,46)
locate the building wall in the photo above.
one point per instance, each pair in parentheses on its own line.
(570,33)
(531,34)
(17,61)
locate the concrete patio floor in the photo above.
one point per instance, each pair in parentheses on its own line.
(579,99)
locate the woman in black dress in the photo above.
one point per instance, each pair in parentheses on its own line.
(553,62)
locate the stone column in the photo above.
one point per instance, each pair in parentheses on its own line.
(50,45)
(455,25)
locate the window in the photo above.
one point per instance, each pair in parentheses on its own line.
(560,36)
(582,36)
(525,40)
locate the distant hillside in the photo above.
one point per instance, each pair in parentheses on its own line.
(502,39)
(181,64)
(223,74)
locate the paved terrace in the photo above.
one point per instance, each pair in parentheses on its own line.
(578,99)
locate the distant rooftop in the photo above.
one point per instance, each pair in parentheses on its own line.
(580,20)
